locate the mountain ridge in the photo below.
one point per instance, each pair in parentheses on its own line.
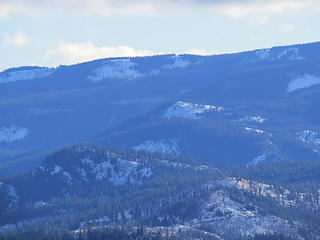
(115,91)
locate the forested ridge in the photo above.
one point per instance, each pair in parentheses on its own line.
(156,190)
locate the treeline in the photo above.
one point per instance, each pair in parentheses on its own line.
(83,202)
(116,233)
(123,233)
(302,176)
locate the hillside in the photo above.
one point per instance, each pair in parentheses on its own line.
(80,188)
(256,103)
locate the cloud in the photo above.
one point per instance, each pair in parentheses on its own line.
(236,9)
(231,8)
(70,52)
(17,40)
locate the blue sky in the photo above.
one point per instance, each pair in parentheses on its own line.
(48,33)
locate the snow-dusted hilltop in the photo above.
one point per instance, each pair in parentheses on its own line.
(116,69)
(13,75)
(131,69)
(178,62)
(272,55)
(90,164)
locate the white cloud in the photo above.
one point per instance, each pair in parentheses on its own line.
(70,52)
(17,40)
(236,9)
(231,8)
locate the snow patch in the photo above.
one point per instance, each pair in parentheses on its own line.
(12,134)
(251,119)
(68,176)
(222,213)
(309,137)
(13,194)
(8,228)
(190,110)
(263,54)
(166,146)
(83,174)
(258,131)
(86,161)
(123,172)
(304,81)
(186,166)
(40,204)
(125,69)
(18,75)
(178,62)
(291,54)
(257,160)
(10,194)
(116,69)
(271,55)
(57,170)
(118,173)
(282,195)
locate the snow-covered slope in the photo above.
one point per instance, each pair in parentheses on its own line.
(190,110)
(9,196)
(273,55)
(259,159)
(120,173)
(109,168)
(256,131)
(178,62)
(166,146)
(12,134)
(291,54)
(304,81)
(128,69)
(213,208)
(282,195)
(13,75)
(309,137)
(263,54)
(222,213)
(116,69)
(253,119)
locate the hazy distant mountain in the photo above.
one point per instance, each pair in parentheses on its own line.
(244,107)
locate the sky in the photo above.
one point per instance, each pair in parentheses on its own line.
(55,32)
